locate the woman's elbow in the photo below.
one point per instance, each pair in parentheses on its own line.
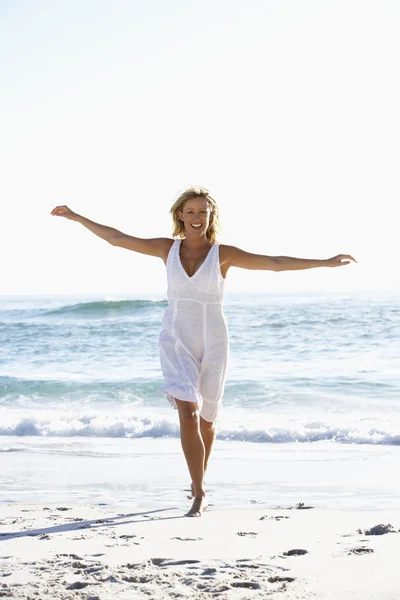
(274,264)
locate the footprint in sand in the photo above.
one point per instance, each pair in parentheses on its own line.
(95,569)
(360,550)
(181,539)
(252,585)
(79,565)
(103,521)
(295,552)
(243,563)
(378,530)
(177,563)
(209,572)
(78,585)
(302,506)
(155,561)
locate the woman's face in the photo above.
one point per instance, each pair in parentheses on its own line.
(195,216)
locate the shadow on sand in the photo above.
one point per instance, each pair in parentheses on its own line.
(79,525)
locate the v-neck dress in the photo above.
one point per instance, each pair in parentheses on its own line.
(194,338)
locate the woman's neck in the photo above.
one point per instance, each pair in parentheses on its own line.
(197,244)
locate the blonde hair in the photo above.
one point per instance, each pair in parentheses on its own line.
(178,228)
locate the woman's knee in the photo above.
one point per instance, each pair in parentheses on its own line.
(188,411)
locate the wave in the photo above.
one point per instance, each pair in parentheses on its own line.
(82,310)
(105,308)
(14,390)
(110,426)
(344,435)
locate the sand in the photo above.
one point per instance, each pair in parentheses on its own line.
(95,553)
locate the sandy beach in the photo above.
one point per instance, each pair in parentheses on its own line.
(94,552)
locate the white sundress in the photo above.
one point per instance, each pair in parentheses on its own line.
(194,338)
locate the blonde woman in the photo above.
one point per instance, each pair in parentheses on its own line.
(194,338)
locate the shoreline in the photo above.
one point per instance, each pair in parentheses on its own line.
(136,474)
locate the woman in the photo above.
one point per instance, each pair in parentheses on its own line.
(194,339)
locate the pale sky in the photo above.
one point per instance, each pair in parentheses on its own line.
(286,110)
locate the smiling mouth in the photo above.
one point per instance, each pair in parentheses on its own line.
(196,226)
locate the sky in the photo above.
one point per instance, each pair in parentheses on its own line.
(286,110)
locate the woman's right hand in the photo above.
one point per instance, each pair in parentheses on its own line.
(64,211)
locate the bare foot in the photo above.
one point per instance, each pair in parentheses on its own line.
(199,504)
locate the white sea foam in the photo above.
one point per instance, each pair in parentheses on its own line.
(122,422)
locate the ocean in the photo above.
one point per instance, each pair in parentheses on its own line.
(313,384)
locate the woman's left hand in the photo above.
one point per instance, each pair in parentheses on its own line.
(336,261)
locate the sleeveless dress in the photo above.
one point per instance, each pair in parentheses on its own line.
(194,338)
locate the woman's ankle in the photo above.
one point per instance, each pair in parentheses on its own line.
(199,492)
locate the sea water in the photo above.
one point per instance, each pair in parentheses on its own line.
(311,406)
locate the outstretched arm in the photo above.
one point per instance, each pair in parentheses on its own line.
(154,247)
(235,257)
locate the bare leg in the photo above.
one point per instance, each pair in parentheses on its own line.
(207,432)
(194,451)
